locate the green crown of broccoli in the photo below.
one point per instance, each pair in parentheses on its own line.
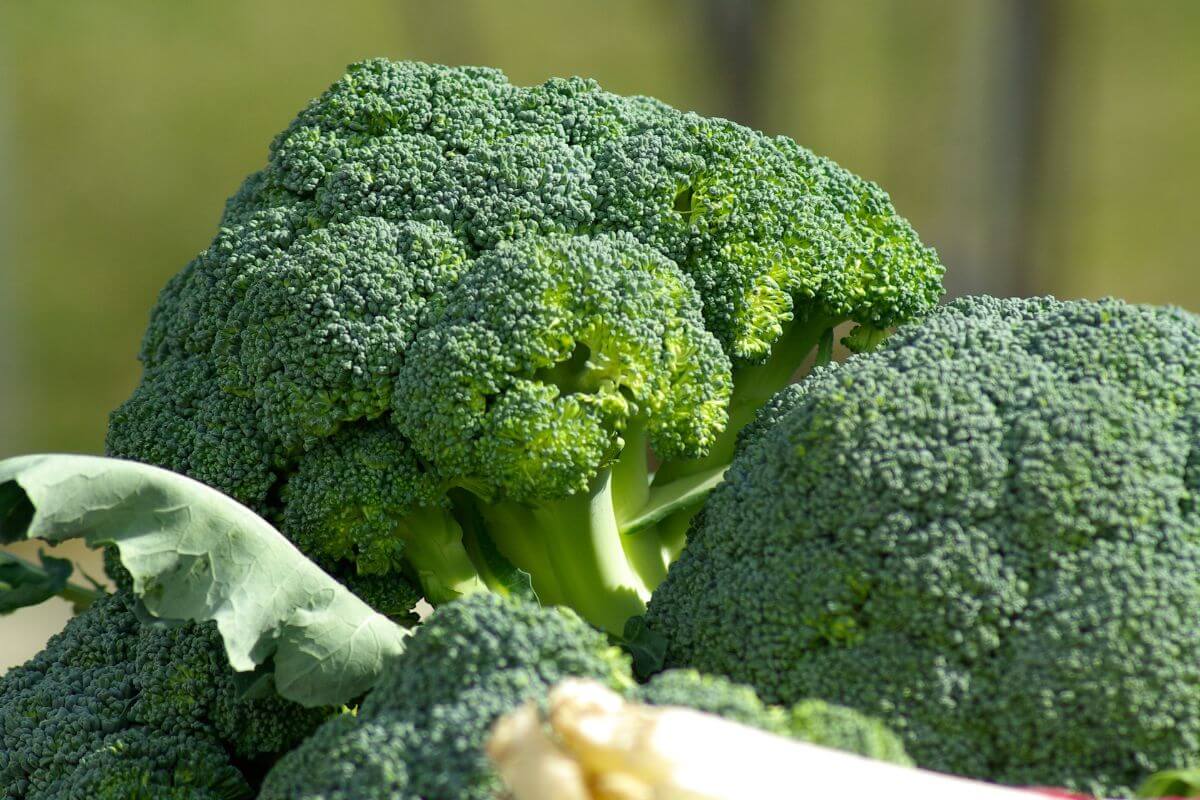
(985,533)
(421,732)
(114,708)
(446,324)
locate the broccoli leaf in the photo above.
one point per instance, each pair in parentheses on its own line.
(647,648)
(196,554)
(25,584)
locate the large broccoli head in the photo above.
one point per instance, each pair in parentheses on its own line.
(518,292)
(986,533)
(113,708)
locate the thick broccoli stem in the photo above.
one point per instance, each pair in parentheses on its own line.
(433,547)
(631,493)
(586,550)
(512,527)
(578,540)
(631,471)
(753,386)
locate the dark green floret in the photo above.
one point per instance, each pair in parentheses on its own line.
(985,533)
(527,296)
(420,732)
(117,710)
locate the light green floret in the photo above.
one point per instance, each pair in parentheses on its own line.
(555,363)
(812,721)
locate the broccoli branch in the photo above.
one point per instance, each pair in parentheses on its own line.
(577,541)
(23,583)
(434,548)
(753,386)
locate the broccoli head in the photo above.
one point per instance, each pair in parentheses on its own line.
(452,316)
(985,533)
(421,730)
(115,709)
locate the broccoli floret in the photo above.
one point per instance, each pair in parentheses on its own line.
(712,694)
(548,356)
(113,708)
(149,764)
(843,728)
(345,504)
(517,293)
(420,732)
(811,721)
(985,533)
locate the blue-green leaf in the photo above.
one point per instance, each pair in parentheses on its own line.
(196,554)
(25,584)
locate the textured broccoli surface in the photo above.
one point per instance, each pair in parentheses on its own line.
(843,728)
(812,721)
(984,533)
(117,710)
(453,316)
(420,732)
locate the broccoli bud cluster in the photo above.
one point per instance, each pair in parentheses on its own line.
(114,708)
(448,299)
(984,533)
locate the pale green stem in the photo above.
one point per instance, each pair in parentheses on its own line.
(433,545)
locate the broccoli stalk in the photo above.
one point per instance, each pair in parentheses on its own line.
(435,551)
(712,742)
(599,550)
(578,541)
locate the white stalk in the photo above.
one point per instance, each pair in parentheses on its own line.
(595,745)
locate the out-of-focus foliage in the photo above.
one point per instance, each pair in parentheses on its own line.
(124,127)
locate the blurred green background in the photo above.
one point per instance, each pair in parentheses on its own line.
(1040,145)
